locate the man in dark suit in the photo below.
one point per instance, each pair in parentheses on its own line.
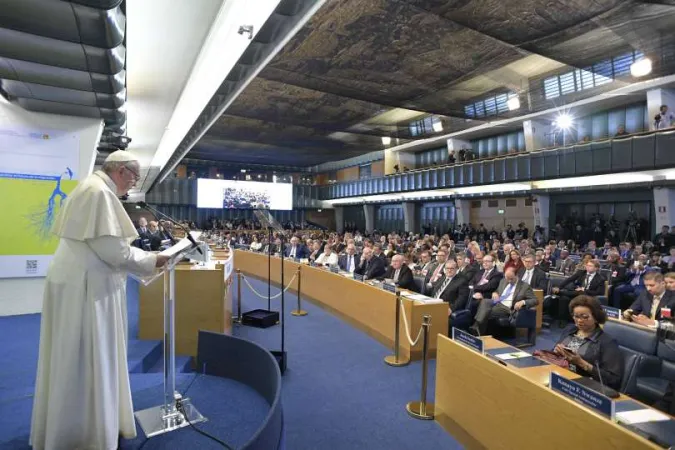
(533,275)
(350,260)
(464,267)
(296,250)
(436,272)
(370,265)
(646,309)
(400,274)
(511,295)
(454,289)
(378,253)
(588,282)
(486,281)
(541,262)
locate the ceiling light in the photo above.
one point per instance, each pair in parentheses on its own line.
(513,103)
(242,170)
(641,67)
(564,121)
(438,126)
(386,140)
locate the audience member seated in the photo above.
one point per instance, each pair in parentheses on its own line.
(542,261)
(435,272)
(316,251)
(453,289)
(511,295)
(296,250)
(514,261)
(486,281)
(588,282)
(646,309)
(400,274)
(533,275)
(370,266)
(632,285)
(621,131)
(256,245)
(587,348)
(564,263)
(464,267)
(350,259)
(328,258)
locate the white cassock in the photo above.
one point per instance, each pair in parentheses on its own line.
(82,394)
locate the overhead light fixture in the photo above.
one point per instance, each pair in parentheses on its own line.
(386,140)
(211,67)
(564,122)
(242,170)
(641,67)
(513,103)
(438,126)
(274,178)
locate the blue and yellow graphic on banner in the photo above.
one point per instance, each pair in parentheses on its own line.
(29,205)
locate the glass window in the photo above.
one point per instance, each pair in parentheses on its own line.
(551,88)
(567,85)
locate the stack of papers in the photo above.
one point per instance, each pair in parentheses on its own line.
(512,355)
(421,298)
(641,416)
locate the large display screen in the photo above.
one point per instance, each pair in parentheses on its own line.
(230,194)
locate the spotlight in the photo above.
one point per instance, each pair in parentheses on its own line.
(564,121)
(641,67)
(386,140)
(438,126)
(513,103)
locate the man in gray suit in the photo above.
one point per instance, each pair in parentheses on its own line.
(511,295)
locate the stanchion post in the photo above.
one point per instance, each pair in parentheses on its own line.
(299,311)
(423,410)
(395,360)
(239,280)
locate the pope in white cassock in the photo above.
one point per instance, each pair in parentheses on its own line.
(82,393)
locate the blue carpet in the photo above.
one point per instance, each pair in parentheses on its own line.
(337,391)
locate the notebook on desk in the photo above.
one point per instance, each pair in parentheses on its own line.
(661,432)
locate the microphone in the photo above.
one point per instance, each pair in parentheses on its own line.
(597,366)
(155,212)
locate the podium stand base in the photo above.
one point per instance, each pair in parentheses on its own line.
(415,410)
(392,361)
(153,422)
(281,359)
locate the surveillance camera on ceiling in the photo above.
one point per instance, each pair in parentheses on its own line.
(246,29)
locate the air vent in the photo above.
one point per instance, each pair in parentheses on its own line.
(475,203)
(511,202)
(493,203)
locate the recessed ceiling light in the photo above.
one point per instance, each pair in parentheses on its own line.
(641,67)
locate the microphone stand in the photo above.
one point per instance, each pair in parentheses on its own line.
(156,213)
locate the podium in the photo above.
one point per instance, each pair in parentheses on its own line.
(175,412)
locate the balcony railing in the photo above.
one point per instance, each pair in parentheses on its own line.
(647,151)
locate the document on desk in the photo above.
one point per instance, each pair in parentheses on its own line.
(422,298)
(641,416)
(512,355)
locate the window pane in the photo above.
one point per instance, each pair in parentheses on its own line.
(502,105)
(551,88)
(490,106)
(622,64)
(603,72)
(480,109)
(587,79)
(567,83)
(469,111)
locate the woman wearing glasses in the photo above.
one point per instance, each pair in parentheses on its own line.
(587,348)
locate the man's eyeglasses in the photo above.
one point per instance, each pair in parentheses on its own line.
(136,175)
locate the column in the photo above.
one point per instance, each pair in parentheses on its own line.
(541,205)
(656,98)
(462,211)
(664,207)
(339,219)
(369,212)
(536,134)
(410,218)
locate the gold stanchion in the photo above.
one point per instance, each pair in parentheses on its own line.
(298,311)
(395,360)
(423,410)
(238,318)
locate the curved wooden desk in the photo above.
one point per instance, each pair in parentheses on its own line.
(366,307)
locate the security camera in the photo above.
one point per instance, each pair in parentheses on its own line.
(246,29)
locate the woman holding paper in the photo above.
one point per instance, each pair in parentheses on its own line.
(589,351)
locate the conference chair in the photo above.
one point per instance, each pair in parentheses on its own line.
(527,318)
(419,283)
(642,368)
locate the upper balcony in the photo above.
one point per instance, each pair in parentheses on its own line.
(638,152)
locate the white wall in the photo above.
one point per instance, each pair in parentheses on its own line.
(490,217)
(24,295)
